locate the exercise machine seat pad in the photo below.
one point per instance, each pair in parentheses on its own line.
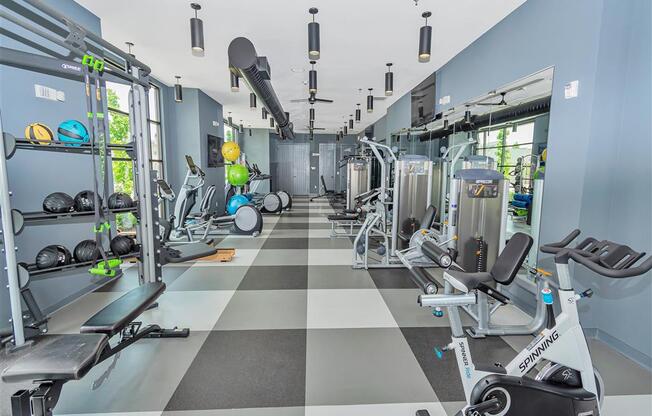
(465,282)
(187,252)
(68,357)
(116,315)
(343,217)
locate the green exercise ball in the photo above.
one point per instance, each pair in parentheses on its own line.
(238,175)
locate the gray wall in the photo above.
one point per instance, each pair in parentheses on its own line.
(256,147)
(35,174)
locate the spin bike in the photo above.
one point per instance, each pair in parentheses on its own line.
(568,385)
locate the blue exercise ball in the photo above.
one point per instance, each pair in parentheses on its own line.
(236,202)
(72,133)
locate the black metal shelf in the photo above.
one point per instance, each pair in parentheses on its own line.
(36,274)
(12,144)
(47,218)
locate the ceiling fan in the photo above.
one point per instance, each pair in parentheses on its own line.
(315,128)
(503,94)
(312,99)
(502,101)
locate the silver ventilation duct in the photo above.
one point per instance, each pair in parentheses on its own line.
(255,70)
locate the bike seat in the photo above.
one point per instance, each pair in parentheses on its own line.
(466,282)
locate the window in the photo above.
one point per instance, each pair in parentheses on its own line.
(122,166)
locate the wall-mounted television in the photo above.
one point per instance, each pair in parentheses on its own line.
(423,101)
(215,159)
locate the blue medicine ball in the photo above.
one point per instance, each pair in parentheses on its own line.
(72,133)
(236,202)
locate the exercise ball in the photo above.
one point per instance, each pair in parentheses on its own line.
(121,245)
(544,154)
(236,202)
(120,200)
(238,175)
(85,251)
(85,201)
(53,256)
(231,151)
(72,133)
(39,133)
(58,203)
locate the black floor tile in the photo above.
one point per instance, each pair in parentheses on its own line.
(285,243)
(275,278)
(292,226)
(245,369)
(392,278)
(443,374)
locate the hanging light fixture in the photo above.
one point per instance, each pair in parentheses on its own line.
(351,121)
(241,127)
(127,64)
(370,101)
(249,130)
(311,125)
(196,32)
(271,122)
(178,90)
(389,80)
(345,130)
(425,39)
(514,128)
(265,113)
(252,101)
(358,114)
(311,113)
(467,115)
(230,120)
(235,82)
(313,36)
(312,79)
(445,124)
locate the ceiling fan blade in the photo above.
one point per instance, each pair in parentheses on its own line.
(380,98)
(323,100)
(301,100)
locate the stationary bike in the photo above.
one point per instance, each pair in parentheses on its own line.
(567,385)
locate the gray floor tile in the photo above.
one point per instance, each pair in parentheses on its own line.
(292,226)
(260,411)
(264,309)
(362,366)
(443,374)
(275,278)
(402,303)
(330,243)
(129,280)
(240,242)
(209,278)
(338,277)
(245,369)
(286,243)
(278,257)
(392,278)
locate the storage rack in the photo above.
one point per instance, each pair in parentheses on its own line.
(119,67)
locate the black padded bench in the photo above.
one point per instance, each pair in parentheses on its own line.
(71,357)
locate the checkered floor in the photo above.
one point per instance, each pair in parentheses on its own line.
(288,328)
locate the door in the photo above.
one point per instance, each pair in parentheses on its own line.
(327,162)
(300,167)
(345,150)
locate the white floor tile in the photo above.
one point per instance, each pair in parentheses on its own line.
(627,405)
(318,257)
(348,308)
(197,310)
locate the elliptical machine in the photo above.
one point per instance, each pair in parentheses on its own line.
(268,203)
(568,385)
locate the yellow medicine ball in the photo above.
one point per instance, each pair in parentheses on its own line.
(39,133)
(231,151)
(544,154)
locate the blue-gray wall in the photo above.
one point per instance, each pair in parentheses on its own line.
(256,147)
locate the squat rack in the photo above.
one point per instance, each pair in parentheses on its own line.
(83,47)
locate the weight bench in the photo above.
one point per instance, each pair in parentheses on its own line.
(70,357)
(352,218)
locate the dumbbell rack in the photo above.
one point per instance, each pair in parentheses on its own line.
(117,66)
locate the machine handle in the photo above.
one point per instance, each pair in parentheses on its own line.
(553,248)
(590,264)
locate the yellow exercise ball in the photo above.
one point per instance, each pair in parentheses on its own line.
(39,133)
(544,154)
(231,151)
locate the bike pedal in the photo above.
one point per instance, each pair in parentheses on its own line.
(439,353)
(438,313)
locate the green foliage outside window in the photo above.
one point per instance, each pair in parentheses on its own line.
(502,153)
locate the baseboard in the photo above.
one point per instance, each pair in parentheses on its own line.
(633,354)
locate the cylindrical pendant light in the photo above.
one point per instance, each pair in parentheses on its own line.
(265,113)
(241,127)
(358,114)
(345,130)
(311,125)
(235,82)
(514,128)
(351,121)
(425,39)
(252,101)
(370,101)
(311,114)
(271,122)
(312,79)
(445,124)
(230,120)
(389,80)
(196,32)
(178,90)
(127,64)
(250,130)
(313,36)
(467,116)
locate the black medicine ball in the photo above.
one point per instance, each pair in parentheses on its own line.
(121,245)
(53,256)
(85,201)
(58,203)
(120,200)
(86,250)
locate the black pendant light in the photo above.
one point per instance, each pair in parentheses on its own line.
(311,113)
(312,79)
(345,130)
(127,64)
(351,121)
(445,124)
(467,116)
(235,82)
(389,80)
(196,32)
(370,101)
(249,130)
(230,120)
(425,39)
(252,101)
(271,122)
(514,128)
(313,36)
(241,127)
(265,113)
(178,90)
(358,114)
(311,125)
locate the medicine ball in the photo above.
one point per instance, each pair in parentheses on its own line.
(39,133)
(238,175)
(72,133)
(236,202)
(230,151)
(121,245)
(86,250)
(120,200)
(53,256)
(85,201)
(58,202)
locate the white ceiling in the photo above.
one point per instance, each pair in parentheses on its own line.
(357,38)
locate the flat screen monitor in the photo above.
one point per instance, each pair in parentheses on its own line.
(215,158)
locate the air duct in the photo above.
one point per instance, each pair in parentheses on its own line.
(256,72)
